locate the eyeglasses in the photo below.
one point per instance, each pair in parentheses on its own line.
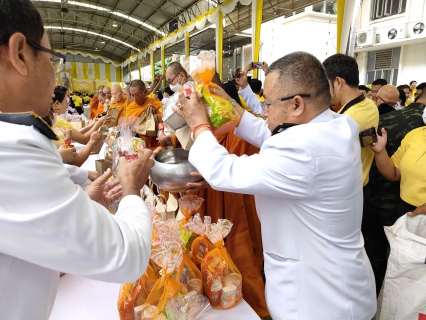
(387,102)
(170,81)
(265,105)
(58,63)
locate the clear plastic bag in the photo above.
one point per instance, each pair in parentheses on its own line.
(222,114)
(222,281)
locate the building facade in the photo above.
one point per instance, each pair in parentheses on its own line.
(391,41)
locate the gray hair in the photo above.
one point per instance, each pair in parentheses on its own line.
(177,68)
(301,72)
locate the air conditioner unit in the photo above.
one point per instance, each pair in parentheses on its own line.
(397,32)
(366,38)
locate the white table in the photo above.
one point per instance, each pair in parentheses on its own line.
(79,298)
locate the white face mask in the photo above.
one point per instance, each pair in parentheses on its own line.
(424,116)
(175,87)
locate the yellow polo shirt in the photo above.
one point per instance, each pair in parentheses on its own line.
(410,159)
(366,114)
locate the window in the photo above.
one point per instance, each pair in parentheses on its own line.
(386,8)
(383,64)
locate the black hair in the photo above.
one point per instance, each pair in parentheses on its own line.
(20,16)
(402,96)
(255,85)
(411,82)
(231,89)
(421,86)
(169,91)
(301,72)
(362,87)
(60,93)
(421,95)
(381,82)
(159,95)
(403,86)
(342,66)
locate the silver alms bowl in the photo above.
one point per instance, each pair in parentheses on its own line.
(172,169)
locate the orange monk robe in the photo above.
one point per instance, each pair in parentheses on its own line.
(120,106)
(100,109)
(244,242)
(93,106)
(135,110)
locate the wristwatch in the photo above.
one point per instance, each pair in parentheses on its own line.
(233,102)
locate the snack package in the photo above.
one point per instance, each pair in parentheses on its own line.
(222,280)
(126,144)
(133,295)
(201,245)
(222,115)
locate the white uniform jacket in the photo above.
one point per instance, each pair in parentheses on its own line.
(48,224)
(307,183)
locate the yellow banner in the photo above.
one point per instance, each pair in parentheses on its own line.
(89,86)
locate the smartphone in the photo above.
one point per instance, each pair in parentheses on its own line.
(368,137)
(257,65)
(235,73)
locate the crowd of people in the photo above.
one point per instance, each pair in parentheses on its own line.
(308,202)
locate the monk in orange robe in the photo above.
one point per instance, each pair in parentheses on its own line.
(244,242)
(94,104)
(101,100)
(119,100)
(140,104)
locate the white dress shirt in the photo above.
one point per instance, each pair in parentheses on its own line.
(78,175)
(307,183)
(48,224)
(252,101)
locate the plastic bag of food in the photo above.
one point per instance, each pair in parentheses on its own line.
(201,68)
(222,281)
(222,114)
(134,294)
(126,143)
(201,245)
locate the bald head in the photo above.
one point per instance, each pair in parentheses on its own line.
(107,92)
(117,92)
(138,91)
(387,94)
(101,97)
(126,93)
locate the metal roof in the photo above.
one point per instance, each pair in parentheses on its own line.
(116,29)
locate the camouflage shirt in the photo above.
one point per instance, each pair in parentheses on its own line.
(385,194)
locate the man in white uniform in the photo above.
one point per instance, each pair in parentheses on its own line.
(47,223)
(307,181)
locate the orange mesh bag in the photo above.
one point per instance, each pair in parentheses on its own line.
(222,280)
(189,275)
(188,205)
(134,294)
(201,245)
